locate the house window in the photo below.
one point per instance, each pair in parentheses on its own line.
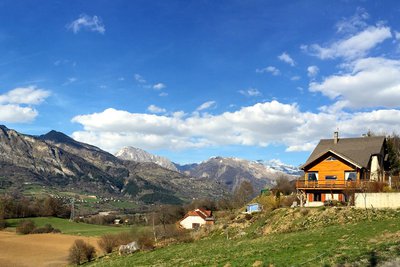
(331,158)
(312,176)
(330,177)
(195,225)
(350,176)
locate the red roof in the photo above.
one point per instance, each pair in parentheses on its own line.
(204,214)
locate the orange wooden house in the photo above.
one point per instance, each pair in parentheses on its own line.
(337,166)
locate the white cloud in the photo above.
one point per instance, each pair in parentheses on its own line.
(155,109)
(369,82)
(258,125)
(286,58)
(139,78)
(355,46)
(397,35)
(159,86)
(295,78)
(162,94)
(17,114)
(86,22)
(206,105)
(12,109)
(353,23)
(25,95)
(312,71)
(271,69)
(250,92)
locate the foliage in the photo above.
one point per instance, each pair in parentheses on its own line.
(393,143)
(284,186)
(18,206)
(108,242)
(161,198)
(25,227)
(80,252)
(243,193)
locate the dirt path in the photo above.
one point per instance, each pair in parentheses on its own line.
(37,250)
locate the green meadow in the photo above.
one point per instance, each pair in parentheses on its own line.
(362,244)
(72,228)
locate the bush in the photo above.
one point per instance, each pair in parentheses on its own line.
(25,227)
(80,252)
(3,224)
(270,202)
(146,242)
(108,242)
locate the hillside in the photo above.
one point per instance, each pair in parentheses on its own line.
(230,172)
(139,155)
(371,236)
(60,164)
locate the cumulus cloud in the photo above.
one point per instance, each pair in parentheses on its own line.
(250,92)
(17,114)
(93,24)
(155,109)
(206,105)
(369,82)
(258,125)
(286,58)
(159,86)
(312,71)
(13,107)
(25,95)
(271,69)
(352,47)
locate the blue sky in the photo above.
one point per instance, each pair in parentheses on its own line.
(193,79)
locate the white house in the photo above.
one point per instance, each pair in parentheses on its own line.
(194,219)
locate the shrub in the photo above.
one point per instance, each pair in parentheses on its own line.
(3,224)
(146,242)
(270,202)
(25,227)
(108,242)
(80,252)
(304,212)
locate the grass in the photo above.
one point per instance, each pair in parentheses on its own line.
(73,228)
(335,244)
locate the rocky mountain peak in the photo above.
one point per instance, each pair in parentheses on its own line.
(140,155)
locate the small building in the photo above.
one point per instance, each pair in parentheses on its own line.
(253,207)
(194,219)
(340,166)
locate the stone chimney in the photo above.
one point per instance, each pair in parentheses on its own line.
(335,137)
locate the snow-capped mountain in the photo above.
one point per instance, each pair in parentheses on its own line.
(277,165)
(139,155)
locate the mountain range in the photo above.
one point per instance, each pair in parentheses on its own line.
(55,160)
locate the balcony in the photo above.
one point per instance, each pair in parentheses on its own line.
(334,184)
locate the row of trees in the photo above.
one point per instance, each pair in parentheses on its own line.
(21,207)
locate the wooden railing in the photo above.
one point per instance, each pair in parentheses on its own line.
(327,184)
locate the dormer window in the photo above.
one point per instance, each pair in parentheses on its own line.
(331,158)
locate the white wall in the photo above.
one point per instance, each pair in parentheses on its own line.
(187,222)
(377,200)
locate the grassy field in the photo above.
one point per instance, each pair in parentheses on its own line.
(362,243)
(73,228)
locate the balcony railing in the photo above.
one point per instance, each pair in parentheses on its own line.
(327,184)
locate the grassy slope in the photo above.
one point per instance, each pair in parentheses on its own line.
(72,228)
(321,246)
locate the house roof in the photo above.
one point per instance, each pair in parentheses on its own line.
(204,214)
(357,151)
